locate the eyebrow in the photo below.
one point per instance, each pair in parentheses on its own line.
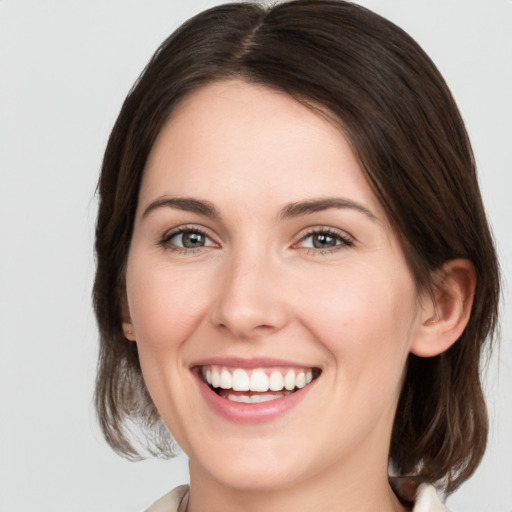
(183,203)
(291,210)
(302,208)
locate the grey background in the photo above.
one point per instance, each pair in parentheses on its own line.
(65,68)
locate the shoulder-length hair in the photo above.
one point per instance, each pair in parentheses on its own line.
(378,86)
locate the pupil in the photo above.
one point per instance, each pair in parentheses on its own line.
(192,240)
(321,241)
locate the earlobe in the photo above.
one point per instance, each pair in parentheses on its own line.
(129,334)
(446,312)
(128,329)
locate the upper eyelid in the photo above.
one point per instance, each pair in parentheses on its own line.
(303,233)
(184,228)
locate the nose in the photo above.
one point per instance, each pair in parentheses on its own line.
(251,300)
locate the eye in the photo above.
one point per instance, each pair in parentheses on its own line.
(324,239)
(187,239)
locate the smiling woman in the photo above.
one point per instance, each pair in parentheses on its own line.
(295,274)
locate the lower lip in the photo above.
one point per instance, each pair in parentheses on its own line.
(239,412)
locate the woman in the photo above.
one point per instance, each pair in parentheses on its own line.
(295,273)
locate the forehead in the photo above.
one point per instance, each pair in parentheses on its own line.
(253,142)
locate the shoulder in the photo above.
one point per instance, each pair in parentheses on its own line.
(427,500)
(171,501)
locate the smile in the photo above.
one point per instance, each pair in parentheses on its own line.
(256,385)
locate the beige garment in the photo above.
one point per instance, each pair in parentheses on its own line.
(426,500)
(171,501)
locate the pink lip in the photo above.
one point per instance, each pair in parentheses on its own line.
(237,412)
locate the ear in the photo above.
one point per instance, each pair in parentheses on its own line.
(446,312)
(128,329)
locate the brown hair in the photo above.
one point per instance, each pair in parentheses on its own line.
(394,107)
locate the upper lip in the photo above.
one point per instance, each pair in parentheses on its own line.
(249,363)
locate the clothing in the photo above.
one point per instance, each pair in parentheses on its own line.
(171,501)
(426,500)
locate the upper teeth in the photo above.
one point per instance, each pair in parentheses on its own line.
(258,379)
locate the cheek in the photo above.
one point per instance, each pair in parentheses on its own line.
(365,319)
(165,307)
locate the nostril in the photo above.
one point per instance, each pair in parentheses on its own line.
(245,330)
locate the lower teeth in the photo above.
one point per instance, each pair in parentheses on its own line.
(256,398)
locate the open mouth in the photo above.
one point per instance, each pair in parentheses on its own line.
(256,385)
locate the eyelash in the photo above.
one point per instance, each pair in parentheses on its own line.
(166,240)
(344,241)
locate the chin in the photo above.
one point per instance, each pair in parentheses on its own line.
(249,465)
(260,477)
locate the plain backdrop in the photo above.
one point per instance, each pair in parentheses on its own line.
(65,68)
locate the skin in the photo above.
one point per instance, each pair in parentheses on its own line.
(259,288)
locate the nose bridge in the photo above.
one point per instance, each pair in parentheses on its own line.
(249,300)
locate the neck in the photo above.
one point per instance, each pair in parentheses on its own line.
(358,492)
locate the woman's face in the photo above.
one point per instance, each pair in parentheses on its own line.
(261,258)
